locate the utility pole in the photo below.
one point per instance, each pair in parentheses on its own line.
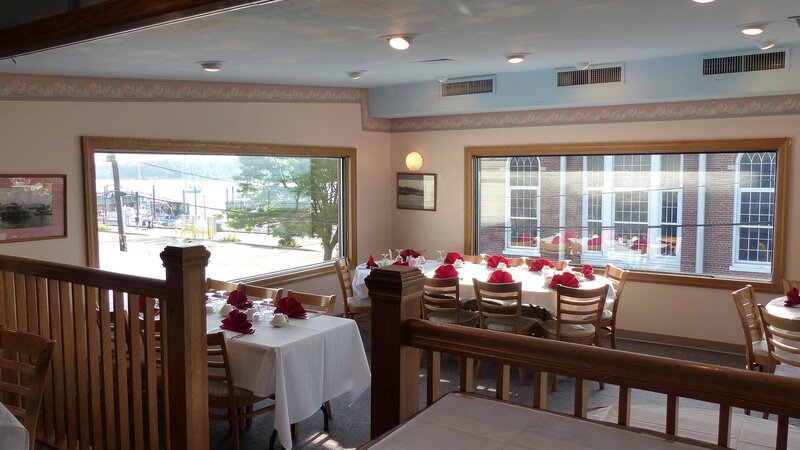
(123,243)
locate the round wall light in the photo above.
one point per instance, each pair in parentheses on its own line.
(414,161)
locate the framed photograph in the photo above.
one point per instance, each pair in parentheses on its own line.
(32,207)
(416,191)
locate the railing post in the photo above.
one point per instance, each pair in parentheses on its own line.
(186,361)
(396,292)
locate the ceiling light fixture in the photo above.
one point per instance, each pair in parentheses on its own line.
(414,161)
(516,58)
(211,66)
(356,74)
(766,45)
(399,41)
(753,30)
(583,65)
(703,1)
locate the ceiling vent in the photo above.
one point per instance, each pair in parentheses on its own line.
(795,20)
(747,62)
(434,61)
(468,86)
(596,75)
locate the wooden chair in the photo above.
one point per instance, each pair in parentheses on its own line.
(789,284)
(252,290)
(322,303)
(25,359)
(515,262)
(608,321)
(474,259)
(578,313)
(222,394)
(783,343)
(500,309)
(756,347)
(352,305)
(441,303)
(560,265)
(213,285)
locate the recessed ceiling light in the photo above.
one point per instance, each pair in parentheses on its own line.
(356,74)
(516,58)
(399,41)
(766,45)
(753,30)
(703,1)
(211,66)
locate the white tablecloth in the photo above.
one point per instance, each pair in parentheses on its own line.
(465,422)
(12,434)
(304,364)
(534,289)
(776,308)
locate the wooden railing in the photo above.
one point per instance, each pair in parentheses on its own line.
(398,337)
(117,380)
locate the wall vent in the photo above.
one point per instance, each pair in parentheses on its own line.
(749,62)
(610,74)
(468,86)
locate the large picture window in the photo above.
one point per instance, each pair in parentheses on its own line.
(700,212)
(260,211)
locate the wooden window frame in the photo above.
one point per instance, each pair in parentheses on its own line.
(782,147)
(94,144)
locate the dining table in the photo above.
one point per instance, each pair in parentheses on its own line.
(13,435)
(303,363)
(776,307)
(535,285)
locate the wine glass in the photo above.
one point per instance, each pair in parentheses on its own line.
(483,257)
(399,257)
(385,260)
(441,258)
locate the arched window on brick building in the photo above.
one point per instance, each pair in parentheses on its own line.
(523,201)
(754,209)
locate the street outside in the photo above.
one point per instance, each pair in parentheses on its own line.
(254,254)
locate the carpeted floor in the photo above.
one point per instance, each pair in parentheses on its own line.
(350,425)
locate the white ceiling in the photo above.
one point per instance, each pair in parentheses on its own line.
(315,42)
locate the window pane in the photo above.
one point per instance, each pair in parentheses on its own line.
(255,214)
(652,212)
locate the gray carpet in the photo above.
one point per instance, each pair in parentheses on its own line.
(349,427)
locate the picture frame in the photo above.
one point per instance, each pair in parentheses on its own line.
(416,191)
(32,207)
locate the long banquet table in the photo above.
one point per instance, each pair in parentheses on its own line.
(535,290)
(305,363)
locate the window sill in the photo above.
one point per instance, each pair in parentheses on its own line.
(291,275)
(756,268)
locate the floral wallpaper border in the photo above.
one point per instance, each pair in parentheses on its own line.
(61,88)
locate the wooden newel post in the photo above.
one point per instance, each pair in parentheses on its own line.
(395,292)
(186,361)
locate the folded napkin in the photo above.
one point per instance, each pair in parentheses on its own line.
(588,271)
(540,263)
(399,263)
(566,278)
(495,260)
(792,298)
(452,257)
(569,233)
(594,243)
(446,271)
(156,309)
(556,239)
(409,252)
(237,322)
(500,276)
(371,262)
(291,307)
(640,244)
(239,300)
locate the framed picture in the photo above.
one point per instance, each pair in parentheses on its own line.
(416,191)
(32,207)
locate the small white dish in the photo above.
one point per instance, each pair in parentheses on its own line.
(279,320)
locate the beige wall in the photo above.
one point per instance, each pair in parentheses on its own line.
(706,314)
(44,137)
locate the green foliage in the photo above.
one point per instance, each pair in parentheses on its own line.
(102,227)
(230,237)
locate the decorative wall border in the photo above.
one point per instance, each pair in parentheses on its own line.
(60,88)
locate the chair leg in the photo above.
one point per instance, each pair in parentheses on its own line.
(234,422)
(553,382)
(613,338)
(272,438)
(521,375)
(328,409)
(478,371)
(324,418)
(249,421)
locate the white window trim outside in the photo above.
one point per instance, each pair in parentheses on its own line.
(737,264)
(507,247)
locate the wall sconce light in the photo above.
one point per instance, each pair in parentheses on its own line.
(414,161)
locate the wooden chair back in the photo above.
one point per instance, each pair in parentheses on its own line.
(749,316)
(342,266)
(498,301)
(252,290)
(618,277)
(474,259)
(560,265)
(24,360)
(789,284)
(783,340)
(440,295)
(213,285)
(317,302)
(575,306)
(515,262)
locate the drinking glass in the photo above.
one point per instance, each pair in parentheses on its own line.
(399,258)
(385,260)
(441,258)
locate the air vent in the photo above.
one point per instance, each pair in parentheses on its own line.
(795,19)
(434,61)
(612,74)
(750,62)
(468,86)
